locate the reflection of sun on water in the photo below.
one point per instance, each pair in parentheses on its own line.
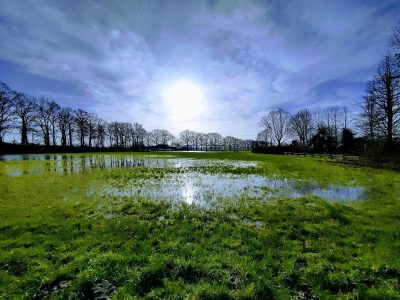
(188,192)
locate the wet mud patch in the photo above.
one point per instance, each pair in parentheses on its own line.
(49,291)
(100,290)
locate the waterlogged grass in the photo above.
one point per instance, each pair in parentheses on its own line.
(60,237)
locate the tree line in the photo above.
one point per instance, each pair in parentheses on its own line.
(319,130)
(377,120)
(54,125)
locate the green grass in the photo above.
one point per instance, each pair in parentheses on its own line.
(53,230)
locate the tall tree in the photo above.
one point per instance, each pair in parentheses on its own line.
(65,123)
(92,122)
(25,109)
(186,137)
(203,141)
(368,117)
(277,121)
(264,136)
(156,136)
(165,137)
(323,141)
(386,94)
(81,122)
(101,133)
(42,120)
(138,133)
(6,110)
(301,124)
(54,109)
(214,140)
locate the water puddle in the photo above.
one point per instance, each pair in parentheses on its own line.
(216,190)
(206,183)
(14,165)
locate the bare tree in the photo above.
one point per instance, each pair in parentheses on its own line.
(156,137)
(302,125)
(337,122)
(214,140)
(166,137)
(346,121)
(386,94)
(54,109)
(81,122)
(65,122)
(92,122)
(6,110)
(196,140)
(101,133)
(25,109)
(264,136)
(148,138)
(43,118)
(368,117)
(186,137)
(112,130)
(230,143)
(277,121)
(319,119)
(138,135)
(203,141)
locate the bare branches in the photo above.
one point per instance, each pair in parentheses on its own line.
(301,124)
(381,105)
(277,123)
(25,109)
(6,109)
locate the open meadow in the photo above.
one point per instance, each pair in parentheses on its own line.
(197,226)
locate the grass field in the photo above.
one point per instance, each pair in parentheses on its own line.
(61,237)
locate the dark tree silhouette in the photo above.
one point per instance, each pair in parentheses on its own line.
(186,137)
(54,109)
(302,125)
(385,92)
(81,122)
(6,110)
(369,114)
(348,141)
(25,109)
(43,119)
(277,122)
(323,141)
(65,124)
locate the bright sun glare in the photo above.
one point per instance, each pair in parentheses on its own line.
(184,100)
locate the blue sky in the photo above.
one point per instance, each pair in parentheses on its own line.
(115,58)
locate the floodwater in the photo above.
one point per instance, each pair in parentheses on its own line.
(12,165)
(218,190)
(187,180)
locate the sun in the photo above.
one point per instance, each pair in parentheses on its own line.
(184,100)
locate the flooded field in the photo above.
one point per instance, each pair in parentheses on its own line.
(208,184)
(208,225)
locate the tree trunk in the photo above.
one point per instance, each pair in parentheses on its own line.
(389,115)
(24,134)
(54,136)
(70,135)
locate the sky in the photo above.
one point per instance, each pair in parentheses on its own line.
(228,62)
